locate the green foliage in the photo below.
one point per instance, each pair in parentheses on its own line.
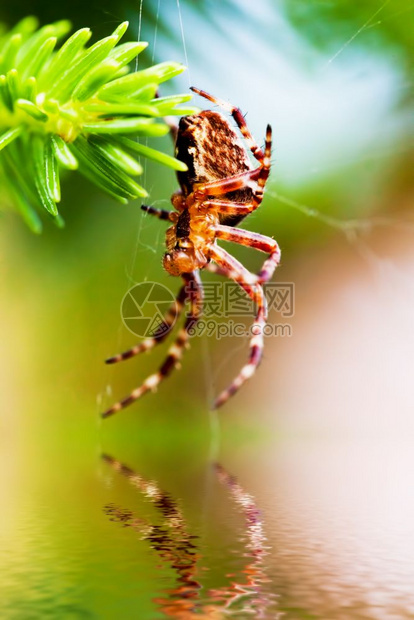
(73,109)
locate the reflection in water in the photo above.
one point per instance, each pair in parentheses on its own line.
(177,547)
(171,540)
(255,542)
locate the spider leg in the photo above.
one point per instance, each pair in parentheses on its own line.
(229,184)
(256,241)
(227,207)
(228,266)
(162,214)
(222,271)
(236,113)
(214,268)
(231,267)
(265,169)
(161,332)
(175,352)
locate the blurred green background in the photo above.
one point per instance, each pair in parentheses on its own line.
(335,82)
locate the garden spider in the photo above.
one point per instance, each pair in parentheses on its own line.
(219,189)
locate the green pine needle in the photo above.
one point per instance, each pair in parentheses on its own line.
(73,109)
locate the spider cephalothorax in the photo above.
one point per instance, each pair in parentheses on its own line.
(219,189)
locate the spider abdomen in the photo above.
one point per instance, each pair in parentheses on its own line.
(212,150)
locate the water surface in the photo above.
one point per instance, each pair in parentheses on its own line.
(270,529)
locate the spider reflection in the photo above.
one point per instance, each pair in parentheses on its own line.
(178,548)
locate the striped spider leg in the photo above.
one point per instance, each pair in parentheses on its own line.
(226,265)
(192,291)
(256,241)
(229,267)
(160,333)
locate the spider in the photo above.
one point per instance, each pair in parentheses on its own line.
(219,189)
